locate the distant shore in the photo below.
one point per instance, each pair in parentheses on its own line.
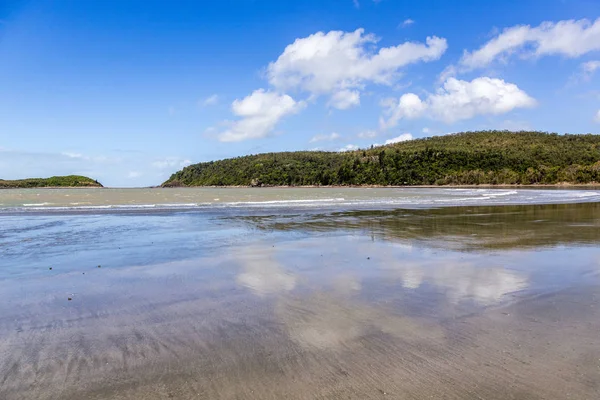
(558,185)
(69,181)
(554,185)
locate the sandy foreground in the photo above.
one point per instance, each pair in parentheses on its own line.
(538,347)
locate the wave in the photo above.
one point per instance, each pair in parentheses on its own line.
(403,199)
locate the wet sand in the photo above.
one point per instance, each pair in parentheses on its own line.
(463,303)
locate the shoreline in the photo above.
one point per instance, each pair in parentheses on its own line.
(499,186)
(57,187)
(553,185)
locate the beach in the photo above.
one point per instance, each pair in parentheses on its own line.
(331,293)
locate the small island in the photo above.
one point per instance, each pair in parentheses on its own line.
(469,158)
(52,182)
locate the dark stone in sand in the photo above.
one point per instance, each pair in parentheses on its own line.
(69,299)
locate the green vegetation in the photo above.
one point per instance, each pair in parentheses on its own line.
(471,158)
(55,181)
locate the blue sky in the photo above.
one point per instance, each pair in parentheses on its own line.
(129,91)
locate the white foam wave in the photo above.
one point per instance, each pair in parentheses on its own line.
(498,194)
(296,201)
(587,194)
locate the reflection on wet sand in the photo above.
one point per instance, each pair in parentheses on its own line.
(261,273)
(462,281)
(462,228)
(348,309)
(329,322)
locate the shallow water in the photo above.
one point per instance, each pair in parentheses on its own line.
(347,198)
(479,301)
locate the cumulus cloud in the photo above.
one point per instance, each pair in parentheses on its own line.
(348,147)
(407,22)
(337,64)
(589,68)
(210,100)
(344,99)
(321,138)
(568,38)
(340,64)
(402,138)
(459,100)
(259,114)
(367,134)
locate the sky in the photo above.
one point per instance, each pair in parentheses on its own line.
(130,91)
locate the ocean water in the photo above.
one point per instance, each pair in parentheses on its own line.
(346,198)
(299,293)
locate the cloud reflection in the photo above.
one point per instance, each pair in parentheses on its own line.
(459,280)
(331,321)
(263,275)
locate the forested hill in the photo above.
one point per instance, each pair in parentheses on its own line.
(471,158)
(55,181)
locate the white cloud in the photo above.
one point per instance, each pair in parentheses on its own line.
(426,130)
(356,3)
(348,147)
(402,138)
(569,38)
(211,100)
(344,99)
(589,68)
(598,116)
(448,72)
(170,163)
(341,63)
(320,138)
(407,22)
(259,114)
(459,100)
(367,134)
